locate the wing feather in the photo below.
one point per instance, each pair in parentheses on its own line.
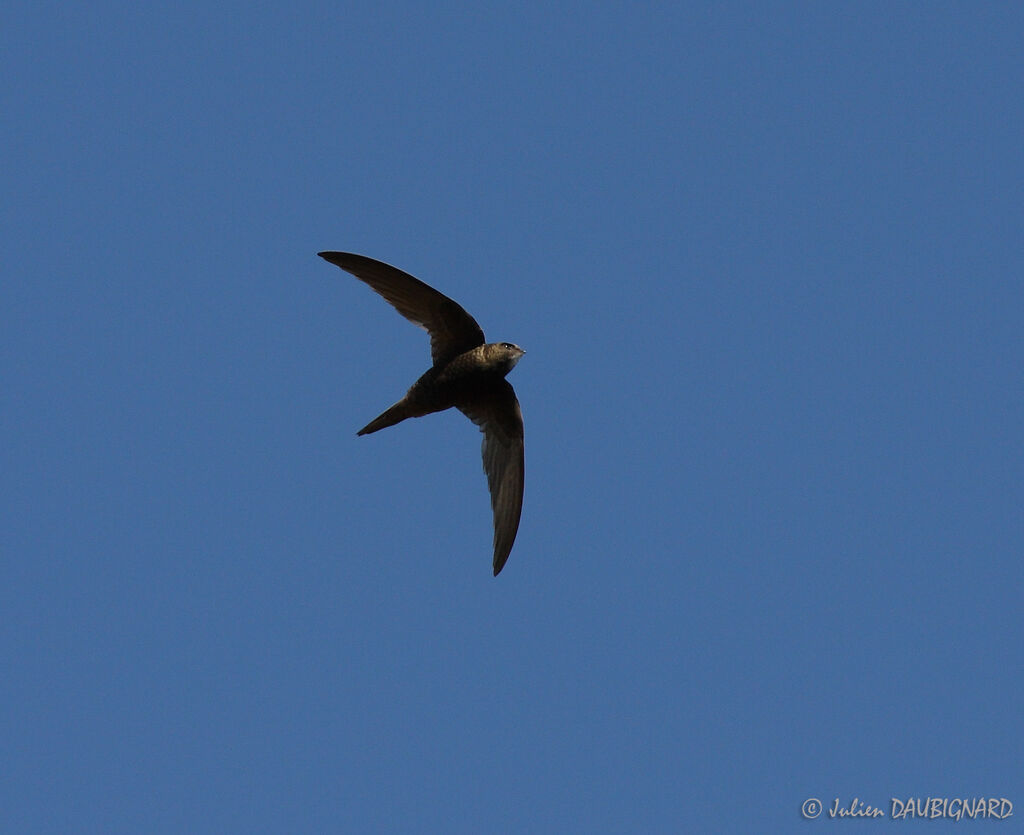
(496,411)
(452,330)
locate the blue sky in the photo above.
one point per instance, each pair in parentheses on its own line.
(765,260)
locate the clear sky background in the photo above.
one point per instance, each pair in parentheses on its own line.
(766,261)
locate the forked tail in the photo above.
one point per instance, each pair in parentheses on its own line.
(396,414)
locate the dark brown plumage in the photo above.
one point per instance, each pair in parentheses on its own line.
(467,373)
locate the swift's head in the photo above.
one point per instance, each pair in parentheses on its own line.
(503,355)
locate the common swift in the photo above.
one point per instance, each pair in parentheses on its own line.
(468,373)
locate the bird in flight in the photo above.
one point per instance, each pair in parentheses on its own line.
(468,373)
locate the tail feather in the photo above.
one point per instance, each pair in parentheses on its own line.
(396,414)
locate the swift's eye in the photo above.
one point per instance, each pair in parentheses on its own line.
(507,345)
